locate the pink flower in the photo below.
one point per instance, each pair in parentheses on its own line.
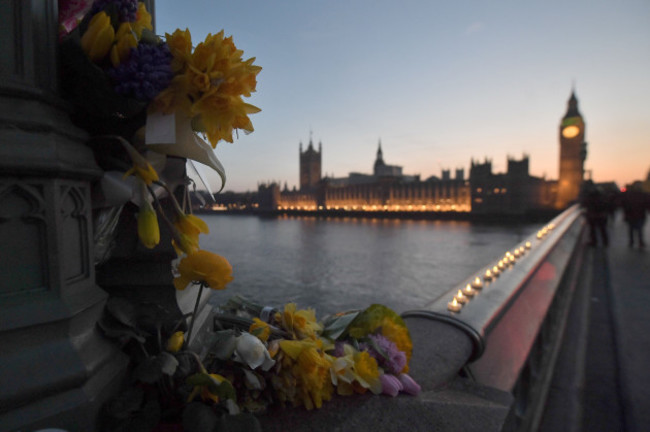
(390,385)
(409,385)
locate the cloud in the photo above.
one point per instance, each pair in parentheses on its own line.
(473,28)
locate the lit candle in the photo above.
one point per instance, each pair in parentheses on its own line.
(501,265)
(551,226)
(454,306)
(511,259)
(488,275)
(468,291)
(528,245)
(460,297)
(522,250)
(517,253)
(477,284)
(495,271)
(539,234)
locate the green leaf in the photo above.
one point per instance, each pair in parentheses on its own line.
(223,389)
(335,326)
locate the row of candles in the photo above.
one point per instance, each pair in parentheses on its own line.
(471,289)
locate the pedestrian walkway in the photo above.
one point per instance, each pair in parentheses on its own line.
(602,378)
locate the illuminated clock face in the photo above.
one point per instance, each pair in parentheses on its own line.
(570,131)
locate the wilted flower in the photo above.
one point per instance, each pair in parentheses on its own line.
(188,227)
(206,267)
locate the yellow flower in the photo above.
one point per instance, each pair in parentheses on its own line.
(98,38)
(175,342)
(356,371)
(148,230)
(142,20)
(206,267)
(367,371)
(400,336)
(260,329)
(125,40)
(204,390)
(209,84)
(141,168)
(188,227)
(309,368)
(180,45)
(301,324)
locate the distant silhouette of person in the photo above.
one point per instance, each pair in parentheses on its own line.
(635,206)
(596,209)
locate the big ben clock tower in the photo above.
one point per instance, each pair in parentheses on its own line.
(573,151)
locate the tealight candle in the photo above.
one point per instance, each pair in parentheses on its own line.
(528,245)
(488,275)
(460,297)
(477,284)
(511,259)
(495,271)
(517,253)
(454,306)
(522,250)
(501,265)
(468,291)
(539,234)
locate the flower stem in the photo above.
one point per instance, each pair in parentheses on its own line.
(196,308)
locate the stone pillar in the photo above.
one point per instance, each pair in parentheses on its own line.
(56,369)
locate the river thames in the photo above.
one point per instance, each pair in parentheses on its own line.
(337,264)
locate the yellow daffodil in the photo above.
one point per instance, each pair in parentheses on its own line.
(260,329)
(212,79)
(188,227)
(125,39)
(180,45)
(175,342)
(96,42)
(142,20)
(307,369)
(148,229)
(356,371)
(141,168)
(203,266)
(301,323)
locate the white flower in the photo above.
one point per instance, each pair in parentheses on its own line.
(251,351)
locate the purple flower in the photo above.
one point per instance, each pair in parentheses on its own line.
(388,356)
(339,350)
(126,9)
(145,74)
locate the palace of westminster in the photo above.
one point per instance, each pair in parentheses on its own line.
(484,192)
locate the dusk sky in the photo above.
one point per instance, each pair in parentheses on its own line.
(439,83)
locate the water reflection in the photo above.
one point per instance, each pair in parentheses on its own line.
(342,263)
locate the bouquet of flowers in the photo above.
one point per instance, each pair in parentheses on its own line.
(144,98)
(257,357)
